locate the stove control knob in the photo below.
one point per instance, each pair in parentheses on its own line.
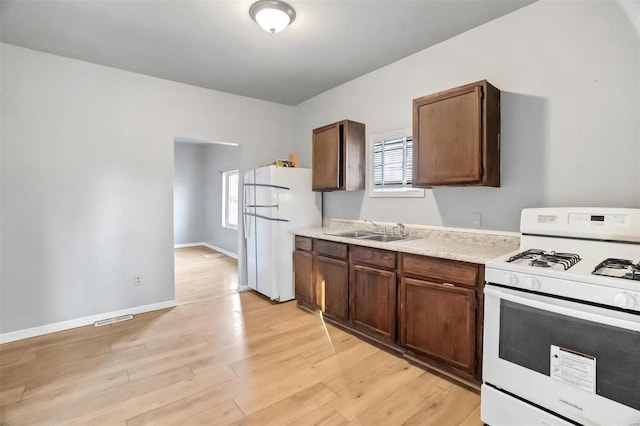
(624,300)
(532,283)
(510,279)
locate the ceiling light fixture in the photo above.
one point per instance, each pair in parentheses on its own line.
(273,16)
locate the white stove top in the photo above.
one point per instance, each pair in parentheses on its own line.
(588,233)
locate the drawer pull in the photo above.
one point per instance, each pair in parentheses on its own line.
(448,285)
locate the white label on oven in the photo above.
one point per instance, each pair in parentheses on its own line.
(573,368)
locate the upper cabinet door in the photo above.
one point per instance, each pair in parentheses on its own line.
(327,153)
(456,137)
(338,157)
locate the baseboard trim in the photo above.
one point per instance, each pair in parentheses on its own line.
(12,336)
(211,246)
(221,250)
(188,245)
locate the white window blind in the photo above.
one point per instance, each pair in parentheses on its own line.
(392,161)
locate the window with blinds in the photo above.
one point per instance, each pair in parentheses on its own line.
(392,161)
(390,157)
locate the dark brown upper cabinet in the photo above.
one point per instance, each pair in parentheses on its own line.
(338,157)
(456,137)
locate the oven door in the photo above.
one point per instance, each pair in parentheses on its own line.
(578,361)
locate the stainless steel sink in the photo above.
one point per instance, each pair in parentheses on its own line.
(353,234)
(386,238)
(369,235)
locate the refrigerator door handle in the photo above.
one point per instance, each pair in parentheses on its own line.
(244,213)
(246,227)
(267,185)
(273,219)
(262,205)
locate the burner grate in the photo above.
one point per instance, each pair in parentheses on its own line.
(618,268)
(544,259)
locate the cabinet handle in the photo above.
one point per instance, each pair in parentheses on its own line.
(448,284)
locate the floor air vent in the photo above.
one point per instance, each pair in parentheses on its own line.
(113,320)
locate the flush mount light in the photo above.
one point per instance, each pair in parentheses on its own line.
(273,16)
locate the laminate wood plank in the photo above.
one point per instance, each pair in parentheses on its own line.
(283,357)
(17,356)
(295,323)
(280,361)
(73,351)
(176,361)
(337,344)
(60,408)
(473,419)
(81,385)
(219,388)
(189,409)
(50,372)
(179,329)
(291,408)
(370,390)
(194,353)
(405,402)
(336,365)
(293,343)
(213,361)
(101,364)
(323,416)
(273,388)
(451,408)
(376,363)
(12,395)
(225,413)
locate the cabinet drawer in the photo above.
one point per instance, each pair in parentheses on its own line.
(374,257)
(331,248)
(304,243)
(440,269)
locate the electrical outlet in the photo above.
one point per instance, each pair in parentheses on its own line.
(137,280)
(476,219)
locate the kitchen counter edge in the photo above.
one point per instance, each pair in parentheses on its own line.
(454,249)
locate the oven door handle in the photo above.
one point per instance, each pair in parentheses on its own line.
(564,307)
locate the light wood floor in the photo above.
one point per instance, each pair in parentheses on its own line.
(220,358)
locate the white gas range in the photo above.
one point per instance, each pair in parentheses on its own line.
(562,321)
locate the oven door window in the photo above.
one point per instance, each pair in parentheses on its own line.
(527,334)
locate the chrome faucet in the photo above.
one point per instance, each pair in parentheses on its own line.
(376,227)
(402,232)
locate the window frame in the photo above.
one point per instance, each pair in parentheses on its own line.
(389,192)
(226,200)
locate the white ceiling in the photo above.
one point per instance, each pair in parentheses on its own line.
(215,44)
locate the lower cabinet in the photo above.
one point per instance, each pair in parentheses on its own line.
(438,320)
(373,301)
(303,275)
(332,287)
(428,308)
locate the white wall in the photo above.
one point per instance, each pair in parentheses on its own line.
(189,193)
(570,79)
(87,180)
(219,158)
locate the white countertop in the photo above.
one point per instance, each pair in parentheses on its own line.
(447,243)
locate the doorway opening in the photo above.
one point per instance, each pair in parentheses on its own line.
(205,219)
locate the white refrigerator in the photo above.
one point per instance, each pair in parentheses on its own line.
(276,200)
